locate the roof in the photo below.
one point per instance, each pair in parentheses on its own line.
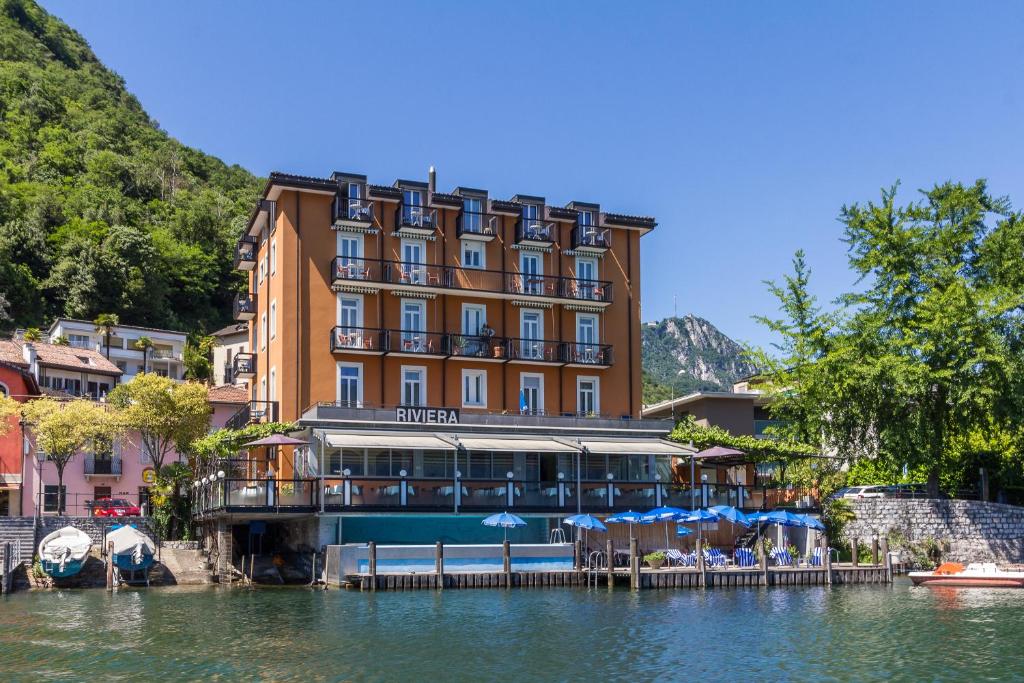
(122,326)
(62,357)
(227,393)
(30,381)
(234,328)
(698,396)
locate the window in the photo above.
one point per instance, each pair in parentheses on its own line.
(586,221)
(472,218)
(413,211)
(473,254)
(474,319)
(263,332)
(531,394)
(350,311)
(273,384)
(273,256)
(51,499)
(531,330)
(474,388)
(350,384)
(532,273)
(263,389)
(350,249)
(356,210)
(414,386)
(586,329)
(588,396)
(413,269)
(413,324)
(273,319)
(79,341)
(4,391)
(99,492)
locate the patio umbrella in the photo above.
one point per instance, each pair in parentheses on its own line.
(697,516)
(585,522)
(505,520)
(812,522)
(777,517)
(731,514)
(665,514)
(628,517)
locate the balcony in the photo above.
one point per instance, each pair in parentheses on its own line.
(477,347)
(580,355)
(417,274)
(531,284)
(244,307)
(597,291)
(355,271)
(416,343)
(253,412)
(473,225)
(590,238)
(245,253)
(362,340)
(243,365)
(535,232)
(535,351)
(415,221)
(102,466)
(356,214)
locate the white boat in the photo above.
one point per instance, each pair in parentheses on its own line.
(63,552)
(133,550)
(974,575)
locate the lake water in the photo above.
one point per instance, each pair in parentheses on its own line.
(855,633)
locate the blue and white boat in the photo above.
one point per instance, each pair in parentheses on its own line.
(64,552)
(133,550)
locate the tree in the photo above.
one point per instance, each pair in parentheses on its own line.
(62,340)
(33,334)
(64,428)
(199,357)
(167,415)
(8,409)
(144,344)
(105,323)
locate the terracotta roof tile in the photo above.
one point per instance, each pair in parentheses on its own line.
(54,356)
(227,393)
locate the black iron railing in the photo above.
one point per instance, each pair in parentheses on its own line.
(245,253)
(477,224)
(253,411)
(591,237)
(109,465)
(244,307)
(535,230)
(588,354)
(348,338)
(243,365)
(352,210)
(416,217)
(536,350)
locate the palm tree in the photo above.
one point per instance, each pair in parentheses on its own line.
(105,323)
(62,340)
(33,334)
(144,344)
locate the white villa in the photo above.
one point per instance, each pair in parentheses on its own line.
(166,357)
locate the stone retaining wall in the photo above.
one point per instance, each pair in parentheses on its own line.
(968,530)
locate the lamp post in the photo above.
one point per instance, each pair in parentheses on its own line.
(672,402)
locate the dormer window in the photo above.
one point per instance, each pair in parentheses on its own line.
(586,221)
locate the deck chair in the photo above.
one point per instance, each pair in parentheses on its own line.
(782,558)
(675,558)
(714,558)
(744,557)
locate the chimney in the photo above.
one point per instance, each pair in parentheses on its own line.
(28,352)
(431,181)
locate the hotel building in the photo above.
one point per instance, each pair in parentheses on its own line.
(443,353)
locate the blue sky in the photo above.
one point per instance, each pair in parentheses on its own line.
(742,127)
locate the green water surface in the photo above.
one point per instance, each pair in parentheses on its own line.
(866,633)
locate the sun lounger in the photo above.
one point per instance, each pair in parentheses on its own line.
(744,557)
(782,558)
(713,557)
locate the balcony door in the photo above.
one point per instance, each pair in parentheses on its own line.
(472,220)
(586,222)
(586,337)
(412,207)
(350,252)
(531,394)
(413,325)
(413,266)
(532,270)
(350,320)
(350,384)
(586,277)
(531,217)
(532,334)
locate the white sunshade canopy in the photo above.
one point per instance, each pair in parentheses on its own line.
(499,444)
(419,441)
(637,447)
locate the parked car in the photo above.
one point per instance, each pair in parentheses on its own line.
(839,493)
(114,507)
(857,492)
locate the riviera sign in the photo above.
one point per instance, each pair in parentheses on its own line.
(444,416)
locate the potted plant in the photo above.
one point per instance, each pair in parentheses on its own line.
(458,345)
(499,351)
(655,560)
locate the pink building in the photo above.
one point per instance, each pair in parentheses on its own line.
(125,472)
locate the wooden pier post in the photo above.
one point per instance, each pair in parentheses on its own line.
(373,565)
(700,563)
(874,551)
(439,564)
(610,549)
(827,560)
(252,567)
(577,553)
(887,560)
(855,545)
(634,565)
(243,570)
(110,565)
(764,568)
(506,562)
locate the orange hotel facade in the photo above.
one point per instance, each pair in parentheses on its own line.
(444,353)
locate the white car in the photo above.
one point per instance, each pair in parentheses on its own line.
(865,492)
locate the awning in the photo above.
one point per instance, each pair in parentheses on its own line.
(420,441)
(637,447)
(501,444)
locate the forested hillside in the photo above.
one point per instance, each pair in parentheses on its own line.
(101,211)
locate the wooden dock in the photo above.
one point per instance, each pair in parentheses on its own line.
(649,579)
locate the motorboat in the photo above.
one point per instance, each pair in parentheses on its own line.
(63,552)
(133,550)
(974,575)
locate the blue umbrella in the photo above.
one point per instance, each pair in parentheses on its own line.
(505,520)
(812,522)
(585,522)
(665,514)
(628,517)
(699,515)
(783,518)
(683,530)
(731,514)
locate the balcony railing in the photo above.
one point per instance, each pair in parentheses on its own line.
(477,346)
(597,355)
(358,339)
(536,350)
(418,219)
(417,342)
(109,466)
(352,270)
(356,270)
(244,365)
(244,307)
(353,212)
(591,238)
(476,225)
(535,231)
(252,412)
(245,253)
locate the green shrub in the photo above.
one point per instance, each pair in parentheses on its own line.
(654,557)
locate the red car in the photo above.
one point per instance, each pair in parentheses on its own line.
(114,507)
